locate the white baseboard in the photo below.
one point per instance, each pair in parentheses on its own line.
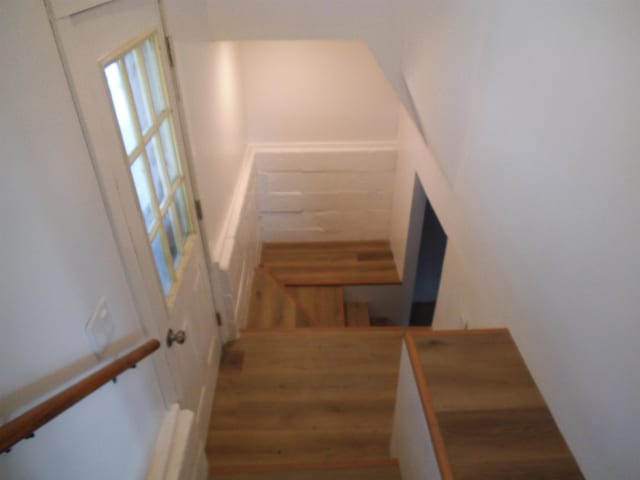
(234,251)
(178,454)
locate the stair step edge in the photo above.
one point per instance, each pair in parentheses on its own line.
(374,462)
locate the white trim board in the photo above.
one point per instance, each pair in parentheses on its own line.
(178,455)
(260,147)
(66,8)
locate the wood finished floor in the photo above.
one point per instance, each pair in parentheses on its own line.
(494,421)
(273,306)
(357,314)
(325,304)
(331,263)
(387,471)
(305,397)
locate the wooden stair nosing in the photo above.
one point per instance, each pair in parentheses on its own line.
(342,284)
(342,330)
(373,462)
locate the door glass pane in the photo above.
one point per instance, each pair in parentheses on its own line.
(156,173)
(169,227)
(170,153)
(138,90)
(139,94)
(183,213)
(157,247)
(143,189)
(153,74)
(121,106)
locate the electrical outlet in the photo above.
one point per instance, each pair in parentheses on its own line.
(100,328)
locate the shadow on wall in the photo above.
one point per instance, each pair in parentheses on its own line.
(433,243)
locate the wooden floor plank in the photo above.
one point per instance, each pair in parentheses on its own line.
(388,471)
(324,303)
(493,420)
(271,306)
(331,263)
(358,314)
(304,397)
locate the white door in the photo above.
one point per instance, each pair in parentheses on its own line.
(117,66)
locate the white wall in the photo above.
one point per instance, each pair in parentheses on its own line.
(543,211)
(59,257)
(411,440)
(312,91)
(459,302)
(323,120)
(372,21)
(210,83)
(325,193)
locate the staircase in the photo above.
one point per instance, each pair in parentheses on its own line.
(306,403)
(302,284)
(308,390)
(275,305)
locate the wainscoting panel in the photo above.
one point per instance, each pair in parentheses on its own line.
(326,192)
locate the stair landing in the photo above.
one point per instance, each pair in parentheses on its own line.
(331,263)
(305,397)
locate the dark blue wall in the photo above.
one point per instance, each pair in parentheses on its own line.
(430,258)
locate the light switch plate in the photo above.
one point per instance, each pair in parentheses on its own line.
(100,328)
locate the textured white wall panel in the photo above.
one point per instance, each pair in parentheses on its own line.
(331,192)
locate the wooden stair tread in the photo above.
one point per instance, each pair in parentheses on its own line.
(375,470)
(490,415)
(358,314)
(325,304)
(305,396)
(332,263)
(382,322)
(271,306)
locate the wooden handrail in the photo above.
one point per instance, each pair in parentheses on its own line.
(26,424)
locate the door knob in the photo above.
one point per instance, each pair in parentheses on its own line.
(178,337)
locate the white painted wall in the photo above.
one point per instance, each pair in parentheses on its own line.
(416,160)
(59,257)
(210,84)
(238,250)
(371,21)
(312,91)
(326,193)
(323,120)
(542,212)
(411,440)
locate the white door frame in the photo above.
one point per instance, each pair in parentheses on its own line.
(227,330)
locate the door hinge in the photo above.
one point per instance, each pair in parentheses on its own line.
(167,41)
(218,319)
(198,209)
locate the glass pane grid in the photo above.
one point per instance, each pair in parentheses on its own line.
(120,99)
(139,96)
(154,76)
(138,89)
